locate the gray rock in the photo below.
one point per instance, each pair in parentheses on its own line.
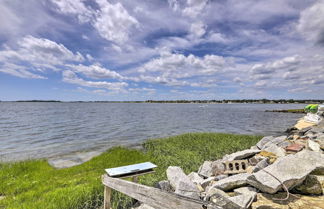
(290,170)
(254,160)
(280,152)
(245,196)
(215,192)
(222,176)
(275,141)
(207,181)
(164,185)
(262,164)
(241,154)
(284,144)
(195,178)
(264,141)
(313,146)
(211,168)
(232,182)
(181,182)
(221,199)
(310,186)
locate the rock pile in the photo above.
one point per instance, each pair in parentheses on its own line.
(292,165)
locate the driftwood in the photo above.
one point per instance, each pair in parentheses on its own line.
(152,196)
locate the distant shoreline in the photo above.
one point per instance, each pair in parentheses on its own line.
(244,101)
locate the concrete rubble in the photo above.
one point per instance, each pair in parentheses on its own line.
(290,168)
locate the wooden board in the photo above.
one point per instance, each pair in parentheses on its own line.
(154,197)
(140,168)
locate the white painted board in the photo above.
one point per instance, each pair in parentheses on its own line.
(135,168)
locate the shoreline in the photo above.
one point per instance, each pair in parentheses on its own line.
(36,184)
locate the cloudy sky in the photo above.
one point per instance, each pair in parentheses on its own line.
(161,49)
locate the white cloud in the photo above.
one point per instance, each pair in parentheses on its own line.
(113,22)
(35,54)
(75,7)
(311,23)
(70,77)
(95,71)
(194,7)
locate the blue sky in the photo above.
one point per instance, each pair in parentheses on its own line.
(161,49)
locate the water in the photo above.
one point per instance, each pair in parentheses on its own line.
(54,130)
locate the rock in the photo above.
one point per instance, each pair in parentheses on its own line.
(262,164)
(181,182)
(215,192)
(264,141)
(244,196)
(164,185)
(284,144)
(207,181)
(195,178)
(311,186)
(313,146)
(268,201)
(241,154)
(222,176)
(271,156)
(144,206)
(278,151)
(290,170)
(275,141)
(221,199)
(320,141)
(211,168)
(255,159)
(246,190)
(232,182)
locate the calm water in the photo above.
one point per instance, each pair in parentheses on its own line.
(44,130)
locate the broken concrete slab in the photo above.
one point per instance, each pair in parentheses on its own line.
(195,178)
(310,186)
(181,182)
(264,141)
(290,170)
(255,159)
(278,151)
(211,168)
(219,177)
(144,206)
(244,201)
(207,181)
(275,141)
(241,154)
(313,146)
(262,164)
(232,182)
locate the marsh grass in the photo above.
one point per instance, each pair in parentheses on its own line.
(35,184)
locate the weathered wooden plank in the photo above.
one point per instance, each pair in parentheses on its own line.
(107,195)
(152,196)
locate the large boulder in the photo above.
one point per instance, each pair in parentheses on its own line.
(181,182)
(290,170)
(232,182)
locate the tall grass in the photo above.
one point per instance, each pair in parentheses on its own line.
(34,184)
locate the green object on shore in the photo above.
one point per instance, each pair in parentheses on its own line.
(35,184)
(312,108)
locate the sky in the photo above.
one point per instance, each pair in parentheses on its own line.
(161,49)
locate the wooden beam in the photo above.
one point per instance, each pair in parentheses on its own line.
(107,197)
(154,197)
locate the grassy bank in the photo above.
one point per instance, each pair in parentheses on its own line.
(34,184)
(288,111)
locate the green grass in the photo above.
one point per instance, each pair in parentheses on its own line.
(35,184)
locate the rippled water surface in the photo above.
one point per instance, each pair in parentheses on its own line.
(43,130)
